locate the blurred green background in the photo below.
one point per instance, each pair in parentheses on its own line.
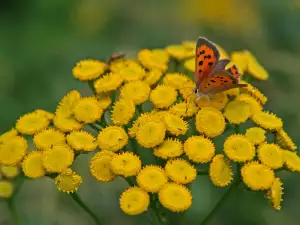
(40,42)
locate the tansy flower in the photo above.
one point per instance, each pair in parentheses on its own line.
(86,110)
(256,135)
(68,181)
(112,138)
(58,158)
(233,92)
(132,72)
(142,119)
(275,193)
(170,148)
(218,101)
(163,96)
(210,122)
(250,89)
(151,134)
(120,64)
(9,171)
(66,124)
(284,139)
(122,112)
(32,123)
(9,134)
(45,113)
(189,64)
(108,82)
(126,164)
(66,104)
(104,100)
(134,201)
(100,167)
(175,125)
(184,109)
(220,171)
(153,59)
(47,138)
(254,105)
(137,91)
(255,69)
(239,59)
(88,69)
(199,149)
(238,148)
(6,189)
(237,112)
(180,171)
(257,176)
(13,150)
(270,155)
(82,141)
(267,120)
(187,92)
(32,165)
(175,197)
(291,160)
(175,80)
(151,178)
(180,52)
(153,76)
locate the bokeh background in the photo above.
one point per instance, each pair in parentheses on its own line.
(40,42)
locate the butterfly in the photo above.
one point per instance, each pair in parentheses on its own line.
(210,74)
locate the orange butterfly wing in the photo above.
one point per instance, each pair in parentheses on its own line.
(218,82)
(207,56)
(234,71)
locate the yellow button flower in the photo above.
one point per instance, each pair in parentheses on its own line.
(238,148)
(13,150)
(88,69)
(187,92)
(175,80)
(175,125)
(32,123)
(210,122)
(66,124)
(275,193)
(189,64)
(134,201)
(256,135)
(45,113)
(153,76)
(184,109)
(100,167)
(122,112)
(180,52)
(220,171)
(267,120)
(82,141)
(68,181)
(152,178)
(47,138)
(32,165)
(9,171)
(151,134)
(58,158)
(253,91)
(170,148)
(255,69)
(66,104)
(270,155)
(237,112)
(112,138)
(175,197)
(108,82)
(104,100)
(132,72)
(6,189)
(86,110)
(153,59)
(126,164)
(9,134)
(199,149)
(285,140)
(240,59)
(257,176)
(180,171)
(291,160)
(218,101)
(254,104)
(137,91)
(163,96)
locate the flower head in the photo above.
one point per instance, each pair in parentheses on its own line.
(32,165)
(126,164)
(218,101)
(170,148)
(100,167)
(237,112)
(47,138)
(210,122)
(175,80)
(153,76)
(9,171)
(254,104)
(68,181)
(131,71)
(134,201)
(104,100)
(257,176)
(66,104)
(238,148)
(180,171)
(152,178)
(112,138)
(88,69)
(32,123)
(175,125)
(66,124)
(255,69)
(44,113)
(184,109)
(9,134)
(163,96)
(151,134)
(199,149)
(175,197)
(291,160)
(6,189)
(275,193)
(285,140)
(86,110)
(109,82)
(82,141)
(123,111)
(12,151)
(220,171)
(137,91)
(250,89)
(270,155)
(153,59)
(180,52)
(267,120)
(256,135)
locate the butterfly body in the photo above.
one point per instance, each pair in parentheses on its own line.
(210,74)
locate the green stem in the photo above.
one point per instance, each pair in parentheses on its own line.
(237,129)
(202,172)
(95,127)
(79,201)
(91,85)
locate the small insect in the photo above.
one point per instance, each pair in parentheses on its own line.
(116,56)
(210,74)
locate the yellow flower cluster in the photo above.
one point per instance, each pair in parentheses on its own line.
(144,104)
